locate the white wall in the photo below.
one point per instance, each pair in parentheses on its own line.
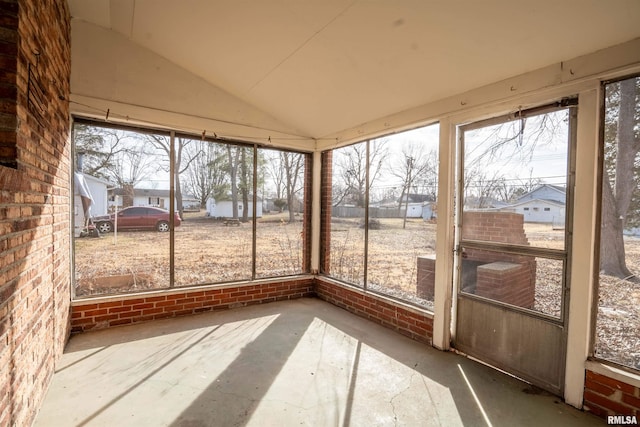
(224,209)
(109,72)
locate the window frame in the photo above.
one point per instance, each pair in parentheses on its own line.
(306,233)
(326,183)
(598,228)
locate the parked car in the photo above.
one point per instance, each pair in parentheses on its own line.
(136,218)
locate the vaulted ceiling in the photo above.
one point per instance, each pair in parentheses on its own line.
(315,68)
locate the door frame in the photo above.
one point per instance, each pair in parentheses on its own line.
(490,309)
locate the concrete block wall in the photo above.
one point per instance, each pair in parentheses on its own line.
(606,396)
(106,312)
(34,201)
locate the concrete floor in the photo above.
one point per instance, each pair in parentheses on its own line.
(302,362)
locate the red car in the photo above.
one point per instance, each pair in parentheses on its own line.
(136,218)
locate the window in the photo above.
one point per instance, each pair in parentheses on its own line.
(110,165)
(381,196)
(617,331)
(526,209)
(227,224)
(532,253)
(547,209)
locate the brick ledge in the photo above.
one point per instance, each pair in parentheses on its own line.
(409,307)
(180,290)
(613,372)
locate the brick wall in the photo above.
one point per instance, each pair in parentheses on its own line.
(503,227)
(513,285)
(8,87)
(100,313)
(306,217)
(325,211)
(506,282)
(34,201)
(608,396)
(399,317)
(491,277)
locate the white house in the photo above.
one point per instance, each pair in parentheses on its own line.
(224,208)
(539,210)
(546,192)
(545,204)
(148,197)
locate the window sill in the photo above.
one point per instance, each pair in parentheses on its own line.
(613,372)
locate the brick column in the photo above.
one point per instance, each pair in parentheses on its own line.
(325,212)
(306,217)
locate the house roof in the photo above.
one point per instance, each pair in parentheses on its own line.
(556,188)
(417,198)
(320,71)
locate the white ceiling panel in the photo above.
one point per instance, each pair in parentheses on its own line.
(324,66)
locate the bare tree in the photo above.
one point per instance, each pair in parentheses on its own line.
(246,182)
(351,167)
(233,156)
(206,176)
(293,164)
(98,150)
(412,166)
(277,174)
(183,159)
(480,187)
(508,190)
(131,167)
(622,166)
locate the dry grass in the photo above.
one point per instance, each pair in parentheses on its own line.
(618,323)
(206,251)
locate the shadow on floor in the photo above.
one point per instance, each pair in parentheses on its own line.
(302,362)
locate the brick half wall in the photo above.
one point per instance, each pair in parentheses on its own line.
(606,396)
(106,312)
(402,318)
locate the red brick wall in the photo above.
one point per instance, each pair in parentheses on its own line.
(607,396)
(34,202)
(306,217)
(403,319)
(503,227)
(506,282)
(100,313)
(515,287)
(325,214)
(8,78)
